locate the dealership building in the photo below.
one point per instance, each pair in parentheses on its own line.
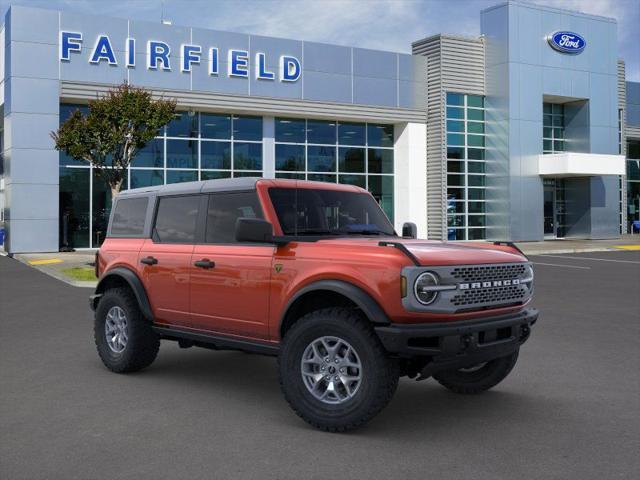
(527,132)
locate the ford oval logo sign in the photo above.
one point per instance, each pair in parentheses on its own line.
(567,42)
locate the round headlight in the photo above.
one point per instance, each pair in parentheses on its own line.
(423,288)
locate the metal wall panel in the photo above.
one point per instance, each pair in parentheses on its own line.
(521,70)
(455,64)
(30,113)
(330,73)
(632,103)
(74,91)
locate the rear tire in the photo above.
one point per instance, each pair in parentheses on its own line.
(124,338)
(477,380)
(335,346)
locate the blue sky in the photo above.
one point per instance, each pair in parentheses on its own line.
(380,24)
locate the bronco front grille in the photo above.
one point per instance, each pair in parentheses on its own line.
(494,296)
(480,273)
(467,288)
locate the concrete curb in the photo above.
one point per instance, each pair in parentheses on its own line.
(572,250)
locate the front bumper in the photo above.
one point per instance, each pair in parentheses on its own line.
(449,346)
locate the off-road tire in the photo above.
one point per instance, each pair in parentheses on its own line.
(142,344)
(380,374)
(478,381)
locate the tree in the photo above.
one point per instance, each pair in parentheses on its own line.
(117,126)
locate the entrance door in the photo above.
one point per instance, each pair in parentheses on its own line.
(549,208)
(555,208)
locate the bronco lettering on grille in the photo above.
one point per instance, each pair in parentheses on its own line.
(494,283)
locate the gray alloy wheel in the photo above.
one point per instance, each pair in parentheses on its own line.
(331,370)
(115,329)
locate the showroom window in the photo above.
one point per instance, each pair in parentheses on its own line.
(552,128)
(339,152)
(465,130)
(193,146)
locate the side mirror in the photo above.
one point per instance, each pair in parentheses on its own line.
(253,230)
(409,230)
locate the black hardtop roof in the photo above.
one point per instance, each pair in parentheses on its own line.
(204,186)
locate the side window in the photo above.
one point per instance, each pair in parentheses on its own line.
(224,210)
(176,219)
(129,216)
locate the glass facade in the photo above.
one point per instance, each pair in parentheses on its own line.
(344,152)
(466,173)
(633,182)
(194,146)
(204,146)
(552,128)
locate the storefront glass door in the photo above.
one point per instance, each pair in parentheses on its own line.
(555,208)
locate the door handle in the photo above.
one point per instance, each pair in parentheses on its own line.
(204,263)
(149,261)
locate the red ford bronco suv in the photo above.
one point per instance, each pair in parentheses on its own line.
(314,274)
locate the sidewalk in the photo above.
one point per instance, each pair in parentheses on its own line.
(60,265)
(626,242)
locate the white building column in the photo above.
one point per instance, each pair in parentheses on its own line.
(268,147)
(410,182)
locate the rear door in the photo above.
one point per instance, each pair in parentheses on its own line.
(165,259)
(230,281)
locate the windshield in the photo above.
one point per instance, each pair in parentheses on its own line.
(328,212)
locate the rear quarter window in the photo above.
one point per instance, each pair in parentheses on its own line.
(129,216)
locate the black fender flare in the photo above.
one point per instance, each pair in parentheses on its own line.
(134,283)
(362,299)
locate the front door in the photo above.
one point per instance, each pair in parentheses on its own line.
(554,208)
(165,260)
(549,208)
(230,282)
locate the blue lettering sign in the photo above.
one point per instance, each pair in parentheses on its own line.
(103,51)
(238,63)
(261,68)
(131,52)
(158,52)
(190,55)
(290,70)
(567,42)
(213,61)
(159,57)
(69,42)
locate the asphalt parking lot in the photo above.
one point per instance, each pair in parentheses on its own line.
(570,409)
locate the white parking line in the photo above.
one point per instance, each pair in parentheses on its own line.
(558,265)
(589,258)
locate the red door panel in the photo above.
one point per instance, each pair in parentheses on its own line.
(233,296)
(167,281)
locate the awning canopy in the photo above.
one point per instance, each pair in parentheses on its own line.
(573,164)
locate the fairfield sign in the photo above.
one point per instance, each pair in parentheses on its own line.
(159,56)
